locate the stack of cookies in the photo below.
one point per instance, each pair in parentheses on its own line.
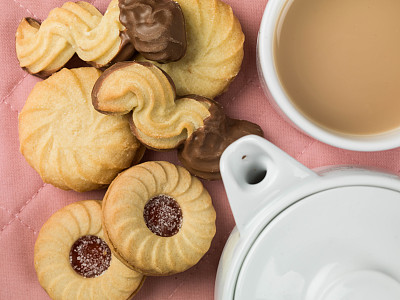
(154,68)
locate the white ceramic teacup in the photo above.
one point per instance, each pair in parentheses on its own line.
(279,99)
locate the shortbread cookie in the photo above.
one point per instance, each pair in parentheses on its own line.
(80,28)
(159,121)
(214,51)
(158,219)
(197,125)
(73,261)
(71,145)
(156,28)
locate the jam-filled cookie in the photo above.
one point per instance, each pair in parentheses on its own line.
(214,50)
(68,142)
(158,219)
(73,261)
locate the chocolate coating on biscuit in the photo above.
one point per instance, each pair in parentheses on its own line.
(126,51)
(117,66)
(156,28)
(202,151)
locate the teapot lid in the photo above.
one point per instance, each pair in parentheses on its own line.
(336,244)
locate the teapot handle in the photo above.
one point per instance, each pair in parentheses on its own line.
(254,171)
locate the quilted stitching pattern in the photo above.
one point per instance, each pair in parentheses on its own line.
(6,217)
(26,203)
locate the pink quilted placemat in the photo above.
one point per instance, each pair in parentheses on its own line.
(26,202)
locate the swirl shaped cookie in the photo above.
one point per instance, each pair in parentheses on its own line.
(158,219)
(73,261)
(80,28)
(158,120)
(214,51)
(196,125)
(71,145)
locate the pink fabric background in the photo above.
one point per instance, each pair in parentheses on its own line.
(26,202)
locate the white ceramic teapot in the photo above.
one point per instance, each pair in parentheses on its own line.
(301,234)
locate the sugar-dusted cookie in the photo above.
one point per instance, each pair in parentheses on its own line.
(76,27)
(214,51)
(71,145)
(158,219)
(197,126)
(73,261)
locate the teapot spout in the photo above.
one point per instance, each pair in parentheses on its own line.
(254,171)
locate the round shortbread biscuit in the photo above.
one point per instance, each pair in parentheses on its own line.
(69,143)
(158,219)
(98,274)
(214,51)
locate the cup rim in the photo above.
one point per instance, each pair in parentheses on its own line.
(267,72)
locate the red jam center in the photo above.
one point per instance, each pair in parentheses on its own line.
(163,216)
(90,256)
